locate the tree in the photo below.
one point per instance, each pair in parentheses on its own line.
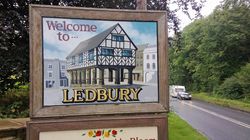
(14,34)
(14,48)
(214,48)
(238,85)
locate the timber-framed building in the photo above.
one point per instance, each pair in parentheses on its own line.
(110,50)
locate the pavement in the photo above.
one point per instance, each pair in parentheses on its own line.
(213,121)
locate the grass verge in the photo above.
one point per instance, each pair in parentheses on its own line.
(181,130)
(235,104)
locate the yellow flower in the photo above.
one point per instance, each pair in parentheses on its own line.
(90,133)
(106,134)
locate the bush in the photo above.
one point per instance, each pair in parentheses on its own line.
(243,77)
(231,89)
(15,103)
(237,86)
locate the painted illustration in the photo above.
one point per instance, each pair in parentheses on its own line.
(111,50)
(55,73)
(95,61)
(129,133)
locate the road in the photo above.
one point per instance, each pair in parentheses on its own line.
(215,122)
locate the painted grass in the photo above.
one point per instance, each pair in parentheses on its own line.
(180,130)
(235,104)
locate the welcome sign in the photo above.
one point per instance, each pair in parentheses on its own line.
(97,74)
(99,61)
(93,62)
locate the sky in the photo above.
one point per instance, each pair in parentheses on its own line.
(55,47)
(208,8)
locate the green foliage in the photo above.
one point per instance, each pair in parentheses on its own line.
(15,103)
(243,77)
(237,86)
(13,48)
(243,104)
(231,89)
(212,49)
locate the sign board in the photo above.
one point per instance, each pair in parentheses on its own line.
(97,61)
(145,127)
(132,133)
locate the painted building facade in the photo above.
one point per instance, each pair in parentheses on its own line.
(150,65)
(111,50)
(138,74)
(55,73)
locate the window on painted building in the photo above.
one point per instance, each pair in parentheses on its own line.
(107,51)
(147,56)
(119,38)
(91,54)
(153,65)
(64,83)
(61,83)
(80,58)
(50,74)
(63,67)
(49,84)
(63,74)
(153,57)
(127,53)
(73,60)
(148,66)
(50,66)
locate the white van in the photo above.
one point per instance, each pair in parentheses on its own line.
(175,89)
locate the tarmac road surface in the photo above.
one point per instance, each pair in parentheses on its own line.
(213,121)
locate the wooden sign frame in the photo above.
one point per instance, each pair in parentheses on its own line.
(159,121)
(37,110)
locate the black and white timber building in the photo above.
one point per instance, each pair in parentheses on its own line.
(110,50)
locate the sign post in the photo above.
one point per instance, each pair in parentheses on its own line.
(97,74)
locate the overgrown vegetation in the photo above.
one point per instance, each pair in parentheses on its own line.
(238,85)
(214,53)
(15,103)
(181,130)
(243,104)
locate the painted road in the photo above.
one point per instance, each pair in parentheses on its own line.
(215,122)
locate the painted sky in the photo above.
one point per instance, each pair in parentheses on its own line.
(139,32)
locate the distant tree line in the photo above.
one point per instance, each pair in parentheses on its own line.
(14,30)
(212,54)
